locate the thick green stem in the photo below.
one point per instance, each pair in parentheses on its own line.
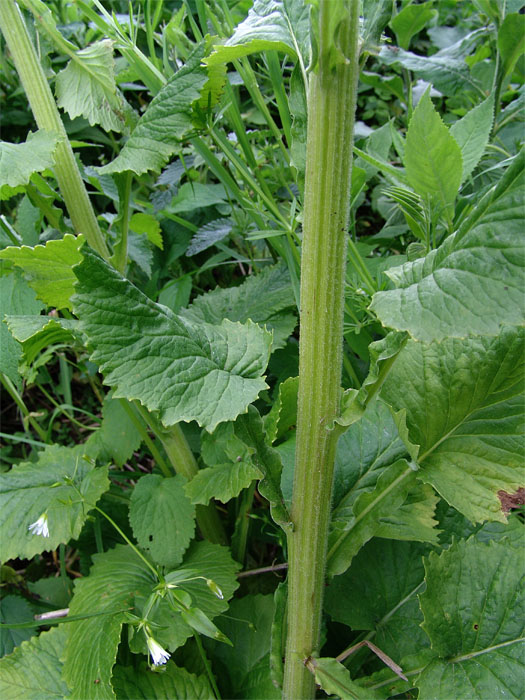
(47,117)
(331,108)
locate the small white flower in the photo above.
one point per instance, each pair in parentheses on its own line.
(39,527)
(159,655)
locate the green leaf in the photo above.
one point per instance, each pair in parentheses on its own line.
(335,679)
(378,594)
(187,372)
(165,123)
(414,520)
(464,407)
(18,161)
(271,25)
(17,298)
(250,429)
(173,682)
(14,609)
(86,87)
(222,482)
(54,591)
(376,16)
(474,610)
(196,195)
(48,268)
(511,42)
(472,133)
(31,489)
(33,670)
(117,438)
(260,298)
(248,625)
(411,20)
(115,579)
(162,517)
(145,223)
(433,159)
(283,414)
(208,235)
(472,284)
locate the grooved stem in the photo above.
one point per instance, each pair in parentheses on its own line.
(331,108)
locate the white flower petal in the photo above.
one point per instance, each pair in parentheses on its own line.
(39,527)
(159,655)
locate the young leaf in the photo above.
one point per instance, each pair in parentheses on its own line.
(472,132)
(411,20)
(18,161)
(222,482)
(63,484)
(167,120)
(511,42)
(17,298)
(162,517)
(335,679)
(48,268)
(117,438)
(283,414)
(145,223)
(378,593)
(377,14)
(86,87)
(474,610)
(271,25)
(209,234)
(414,520)
(473,283)
(34,670)
(187,372)
(173,682)
(433,159)
(468,423)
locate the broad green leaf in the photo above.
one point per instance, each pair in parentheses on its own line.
(283,414)
(464,407)
(86,87)
(145,223)
(335,679)
(118,437)
(223,446)
(64,484)
(33,670)
(162,517)
(248,625)
(250,429)
(209,234)
(378,593)
(196,195)
(348,535)
(18,161)
(511,42)
(448,74)
(185,371)
(473,283)
(455,525)
(115,579)
(14,609)
(472,133)
(260,298)
(414,520)
(474,610)
(48,268)
(53,591)
(222,482)
(411,20)
(376,13)
(17,298)
(166,121)
(271,25)
(433,159)
(173,682)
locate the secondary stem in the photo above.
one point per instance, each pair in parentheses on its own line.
(331,108)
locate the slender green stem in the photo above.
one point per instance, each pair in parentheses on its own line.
(13,393)
(207,665)
(47,117)
(331,108)
(139,425)
(121,255)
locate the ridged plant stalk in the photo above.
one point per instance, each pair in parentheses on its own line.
(331,106)
(47,118)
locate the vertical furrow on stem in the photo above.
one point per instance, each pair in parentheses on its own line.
(331,108)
